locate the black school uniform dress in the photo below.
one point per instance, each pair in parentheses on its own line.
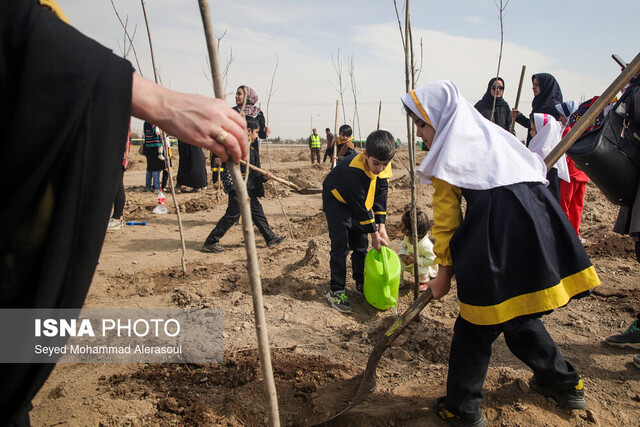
(255,188)
(354,200)
(192,166)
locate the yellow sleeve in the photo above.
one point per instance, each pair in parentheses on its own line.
(447,216)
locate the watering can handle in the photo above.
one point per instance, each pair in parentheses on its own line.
(385,267)
(385,262)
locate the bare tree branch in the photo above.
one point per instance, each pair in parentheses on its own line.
(130,38)
(501,9)
(337,65)
(395,5)
(355,92)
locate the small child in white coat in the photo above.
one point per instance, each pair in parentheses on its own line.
(426,257)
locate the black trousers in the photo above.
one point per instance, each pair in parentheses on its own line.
(120,199)
(327,153)
(232,215)
(528,340)
(346,234)
(165,178)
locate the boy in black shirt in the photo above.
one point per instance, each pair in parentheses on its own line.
(354,199)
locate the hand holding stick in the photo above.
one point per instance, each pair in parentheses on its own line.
(515,108)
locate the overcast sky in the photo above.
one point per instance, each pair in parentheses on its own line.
(571,39)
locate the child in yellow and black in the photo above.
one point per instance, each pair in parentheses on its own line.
(345,142)
(255,188)
(513,251)
(354,199)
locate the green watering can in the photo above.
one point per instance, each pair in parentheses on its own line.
(382,273)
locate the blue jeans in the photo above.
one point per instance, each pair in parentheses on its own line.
(156,180)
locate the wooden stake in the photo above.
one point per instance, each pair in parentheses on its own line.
(379,113)
(336,134)
(588,118)
(165,145)
(249,237)
(275,178)
(513,119)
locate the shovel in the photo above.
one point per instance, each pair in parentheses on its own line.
(368,380)
(284,181)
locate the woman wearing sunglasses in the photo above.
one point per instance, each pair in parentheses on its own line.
(502,112)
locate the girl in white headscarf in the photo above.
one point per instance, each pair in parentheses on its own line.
(546,133)
(514,253)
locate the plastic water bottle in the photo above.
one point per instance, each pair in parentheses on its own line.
(161,208)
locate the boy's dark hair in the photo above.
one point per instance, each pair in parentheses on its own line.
(252,123)
(422,221)
(327,130)
(346,130)
(380,145)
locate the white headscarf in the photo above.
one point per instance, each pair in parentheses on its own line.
(567,108)
(548,135)
(469,151)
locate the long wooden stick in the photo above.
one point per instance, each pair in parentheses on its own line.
(249,237)
(513,119)
(379,114)
(587,119)
(167,163)
(275,178)
(336,135)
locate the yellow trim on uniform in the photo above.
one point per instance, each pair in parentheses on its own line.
(55,8)
(420,107)
(447,217)
(380,213)
(337,195)
(534,302)
(360,162)
(367,222)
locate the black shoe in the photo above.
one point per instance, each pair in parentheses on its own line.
(276,240)
(360,289)
(339,301)
(629,338)
(569,398)
(439,407)
(213,248)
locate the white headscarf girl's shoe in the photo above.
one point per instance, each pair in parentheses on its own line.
(469,151)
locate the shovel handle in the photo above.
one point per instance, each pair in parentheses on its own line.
(275,178)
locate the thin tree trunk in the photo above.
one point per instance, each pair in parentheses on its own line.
(501,9)
(335,138)
(408,65)
(167,160)
(249,237)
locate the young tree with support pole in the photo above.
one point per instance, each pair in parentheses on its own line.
(249,236)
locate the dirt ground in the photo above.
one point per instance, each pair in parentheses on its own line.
(317,351)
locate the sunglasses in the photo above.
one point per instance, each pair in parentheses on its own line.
(497,87)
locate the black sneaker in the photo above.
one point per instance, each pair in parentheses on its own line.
(213,248)
(439,407)
(339,301)
(569,398)
(360,289)
(629,338)
(276,240)
(636,360)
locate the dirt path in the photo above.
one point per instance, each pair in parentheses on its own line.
(316,350)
